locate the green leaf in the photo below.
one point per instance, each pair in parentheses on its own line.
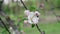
(33,25)
(32,8)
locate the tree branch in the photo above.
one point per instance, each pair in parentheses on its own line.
(42,32)
(24,5)
(5,25)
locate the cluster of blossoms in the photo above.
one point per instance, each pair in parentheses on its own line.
(33,17)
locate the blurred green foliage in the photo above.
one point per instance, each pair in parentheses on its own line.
(55,3)
(31,5)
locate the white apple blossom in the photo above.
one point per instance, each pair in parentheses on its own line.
(30,21)
(31,14)
(26,12)
(37,13)
(32,17)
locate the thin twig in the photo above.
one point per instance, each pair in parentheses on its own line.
(8,20)
(4,25)
(24,4)
(38,28)
(1,2)
(42,32)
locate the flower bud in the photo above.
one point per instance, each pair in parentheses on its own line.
(26,12)
(25,21)
(37,13)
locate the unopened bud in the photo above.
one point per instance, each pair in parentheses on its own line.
(26,12)
(37,13)
(25,21)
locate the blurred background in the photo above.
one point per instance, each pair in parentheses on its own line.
(49,18)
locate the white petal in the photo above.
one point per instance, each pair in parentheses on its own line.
(30,21)
(32,18)
(27,12)
(35,20)
(30,15)
(36,12)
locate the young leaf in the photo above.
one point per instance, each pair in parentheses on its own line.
(33,25)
